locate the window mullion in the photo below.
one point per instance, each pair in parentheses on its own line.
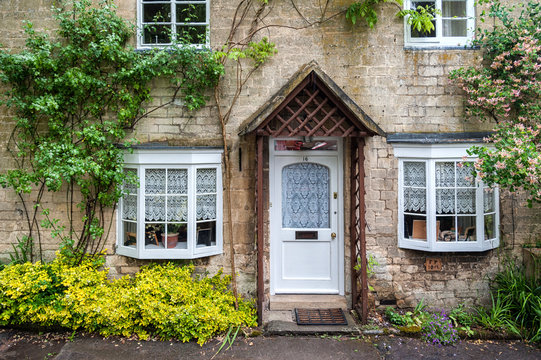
(431,203)
(439,22)
(192,226)
(173,20)
(480,213)
(401,200)
(141,211)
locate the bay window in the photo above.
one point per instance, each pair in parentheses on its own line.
(176,211)
(442,207)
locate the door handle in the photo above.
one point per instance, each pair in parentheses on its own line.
(333,236)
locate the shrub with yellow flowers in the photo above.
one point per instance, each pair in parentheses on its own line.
(166,301)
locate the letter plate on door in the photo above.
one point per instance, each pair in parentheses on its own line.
(305,235)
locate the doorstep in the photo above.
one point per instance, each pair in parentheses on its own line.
(280,318)
(290,302)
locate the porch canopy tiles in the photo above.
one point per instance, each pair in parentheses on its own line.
(311,104)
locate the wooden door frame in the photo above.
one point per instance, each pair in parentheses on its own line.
(357,226)
(340,229)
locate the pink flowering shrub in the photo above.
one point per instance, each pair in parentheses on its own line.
(508,91)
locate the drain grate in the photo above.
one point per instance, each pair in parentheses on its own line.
(320,317)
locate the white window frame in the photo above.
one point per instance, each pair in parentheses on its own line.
(439,40)
(430,154)
(173,23)
(173,159)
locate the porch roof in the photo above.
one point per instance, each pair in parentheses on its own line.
(310,104)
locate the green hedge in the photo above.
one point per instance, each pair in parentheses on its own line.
(161,300)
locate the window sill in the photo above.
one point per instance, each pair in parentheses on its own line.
(167,254)
(449,247)
(438,47)
(147,48)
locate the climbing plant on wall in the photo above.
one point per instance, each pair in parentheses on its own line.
(73,96)
(507,91)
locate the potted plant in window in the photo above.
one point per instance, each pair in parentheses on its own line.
(172,240)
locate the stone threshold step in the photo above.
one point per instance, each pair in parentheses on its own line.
(290,302)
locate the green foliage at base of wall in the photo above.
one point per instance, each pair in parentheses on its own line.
(166,301)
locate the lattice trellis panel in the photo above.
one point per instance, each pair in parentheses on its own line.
(356,228)
(309,113)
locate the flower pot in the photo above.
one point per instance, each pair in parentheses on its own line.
(172,240)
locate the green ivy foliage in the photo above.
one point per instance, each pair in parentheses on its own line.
(76,93)
(164,301)
(420,18)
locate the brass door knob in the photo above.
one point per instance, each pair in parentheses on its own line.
(333,236)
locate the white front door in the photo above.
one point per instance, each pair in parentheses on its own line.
(305,224)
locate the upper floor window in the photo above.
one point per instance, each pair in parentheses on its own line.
(441,206)
(454,22)
(176,211)
(164,22)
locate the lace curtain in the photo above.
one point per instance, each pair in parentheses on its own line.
(129,199)
(206,203)
(452,199)
(166,186)
(414,186)
(305,196)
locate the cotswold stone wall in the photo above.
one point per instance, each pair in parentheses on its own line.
(401,90)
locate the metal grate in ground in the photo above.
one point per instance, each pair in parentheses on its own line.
(320,317)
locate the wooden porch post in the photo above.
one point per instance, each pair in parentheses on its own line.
(357,228)
(260,242)
(353,223)
(362,235)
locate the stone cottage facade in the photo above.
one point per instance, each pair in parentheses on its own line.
(347,142)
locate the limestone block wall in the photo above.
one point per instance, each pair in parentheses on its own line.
(401,90)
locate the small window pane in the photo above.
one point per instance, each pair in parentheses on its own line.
(155,181)
(299,145)
(155,208)
(206,181)
(414,174)
(156,13)
(445,174)
(465,201)
(490,227)
(177,181)
(466,228)
(415,200)
(446,228)
(157,34)
(130,234)
(153,236)
(455,27)
(453,8)
(415,227)
(206,207)
(488,200)
(192,13)
(177,237)
(127,187)
(445,201)
(177,208)
(423,34)
(206,234)
(129,207)
(464,177)
(193,34)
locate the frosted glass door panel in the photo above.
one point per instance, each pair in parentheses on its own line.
(305,196)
